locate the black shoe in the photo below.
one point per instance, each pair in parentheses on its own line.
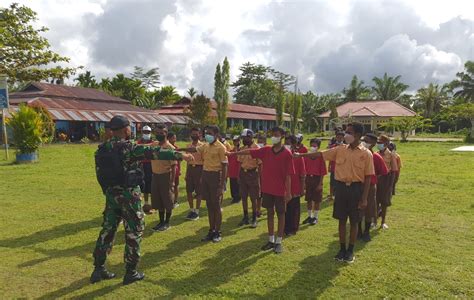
(254,223)
(359,235)
(366,237)
(132,276)
(278,248)
(307,220)
(157,227)
(340,255)
(313,221)
(164,227)
(349,257)
(190,215)
(194,216)
(217,237)
(259,214)
(208,237)
(268,246)
(101,273)
(235,201)
(290,233)
(245,221)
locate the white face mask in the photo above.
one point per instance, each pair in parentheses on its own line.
(260,145)
(288,147)
(349,138)
(275,139)
(146,136)
(313,149)
(366,145)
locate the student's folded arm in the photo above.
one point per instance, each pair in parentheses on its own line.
(241,152)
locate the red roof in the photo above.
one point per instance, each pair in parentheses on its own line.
(371,109)
(67,103)
(236,111)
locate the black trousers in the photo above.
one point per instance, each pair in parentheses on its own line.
(234,189)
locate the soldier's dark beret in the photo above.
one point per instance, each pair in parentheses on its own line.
(118,122)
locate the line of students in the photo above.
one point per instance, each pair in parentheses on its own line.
(277,176)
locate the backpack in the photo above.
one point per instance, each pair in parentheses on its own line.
(109,167)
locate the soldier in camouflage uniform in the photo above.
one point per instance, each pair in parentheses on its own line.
(123,203)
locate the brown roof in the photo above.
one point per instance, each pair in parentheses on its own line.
(236,111)
(67,103)
(371,109)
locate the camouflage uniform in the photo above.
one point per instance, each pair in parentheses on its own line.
(124,203)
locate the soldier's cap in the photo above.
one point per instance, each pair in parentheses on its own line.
(118,122)
(146,128)
(247,132)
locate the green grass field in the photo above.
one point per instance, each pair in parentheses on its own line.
(51,213)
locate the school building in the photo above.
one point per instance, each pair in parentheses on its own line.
(252,117)
(81,112)
(369,113)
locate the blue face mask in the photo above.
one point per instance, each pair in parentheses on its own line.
(381,147)
(209,138)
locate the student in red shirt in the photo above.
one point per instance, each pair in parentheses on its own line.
(300,147)
(315,171)
(292,215)
(233,171)
(380,169)
(277,169)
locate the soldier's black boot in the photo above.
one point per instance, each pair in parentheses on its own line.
(132,275)
(100,273)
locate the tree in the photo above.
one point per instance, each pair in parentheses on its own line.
(150,79)
(221,93)
(254,86)
(199,111)
(465,111)
(388,88)
(432,98)
(463,86)
(166,95)
(191,92)
(356,91)
(123,87)
(294,109)
(25,55)
(87,80)
(312,106)
(406,125)
(282,82)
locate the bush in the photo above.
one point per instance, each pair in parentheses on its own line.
(236,129)
(27,128)
(469,139)
(49,128)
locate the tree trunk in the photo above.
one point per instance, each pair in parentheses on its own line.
(472,127)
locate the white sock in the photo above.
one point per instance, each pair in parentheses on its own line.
(271,238)
(278,240)
(310,213)
(316,213)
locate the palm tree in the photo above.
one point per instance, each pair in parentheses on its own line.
(388,88)
(191,92)
(86,80)
(432,98)
(356,91)
(167,95)
(464,85)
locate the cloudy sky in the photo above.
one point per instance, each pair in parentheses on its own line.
(322,42)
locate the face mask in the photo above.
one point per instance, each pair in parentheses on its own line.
(260,145)
(348,138)
(366,145)
(288,147)
(194,138)
(160,137)
(210,138)
(275,139)
(338,143)
(313,149)
(146,136)
(381,147)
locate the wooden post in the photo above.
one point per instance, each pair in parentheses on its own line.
(4,130)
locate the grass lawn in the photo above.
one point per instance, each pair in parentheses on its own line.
(51,213)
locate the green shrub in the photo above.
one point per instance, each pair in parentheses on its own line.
(27,128)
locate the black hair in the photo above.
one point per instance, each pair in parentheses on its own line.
(393,146)
(340,133)
(213,128)
(292,138)
(358,128)
(170,135)
(278,129)
(315,141)
(371,136)
(162,127)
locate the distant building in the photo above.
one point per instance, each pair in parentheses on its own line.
(81,112)
(253,117)
(369,113)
